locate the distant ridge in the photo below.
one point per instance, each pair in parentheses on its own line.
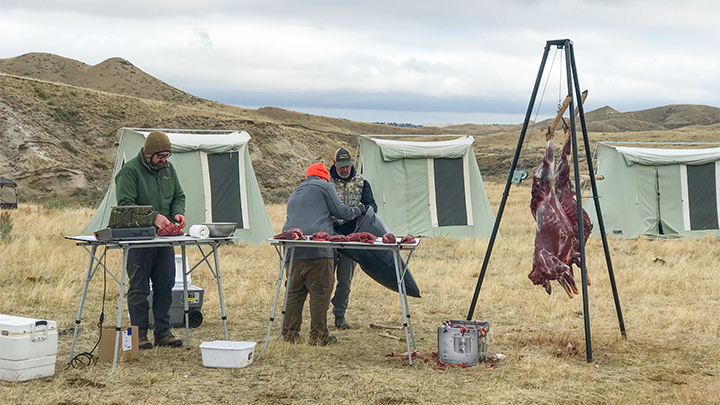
(607,119)
(59,119)
(114,75)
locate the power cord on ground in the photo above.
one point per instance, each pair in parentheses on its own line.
(85,359)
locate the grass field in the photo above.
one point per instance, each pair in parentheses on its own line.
(669,292)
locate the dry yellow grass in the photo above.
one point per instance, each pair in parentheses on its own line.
(669,291)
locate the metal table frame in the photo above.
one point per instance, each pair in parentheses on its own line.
(286,252)
(91,245)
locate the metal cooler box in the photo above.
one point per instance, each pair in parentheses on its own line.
(177,308)
(463,342)
(28,348)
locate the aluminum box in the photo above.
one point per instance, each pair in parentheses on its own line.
(463,342)
(177,308)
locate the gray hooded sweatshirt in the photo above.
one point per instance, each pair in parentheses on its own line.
(310,208)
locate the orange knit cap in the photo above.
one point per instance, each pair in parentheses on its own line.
(318,169)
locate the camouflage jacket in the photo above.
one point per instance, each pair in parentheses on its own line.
(352,191)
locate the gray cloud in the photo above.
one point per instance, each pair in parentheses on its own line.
(203,36)
(455,56)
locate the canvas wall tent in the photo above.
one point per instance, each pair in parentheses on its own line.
(8,194)
(216,175)
(427,188)
(657,192)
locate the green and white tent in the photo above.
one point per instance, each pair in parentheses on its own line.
(657,192)
(427,188)
(216,175)
(8,194)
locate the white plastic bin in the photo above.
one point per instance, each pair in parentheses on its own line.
(227,354)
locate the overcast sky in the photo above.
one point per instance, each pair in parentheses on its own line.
(391,60)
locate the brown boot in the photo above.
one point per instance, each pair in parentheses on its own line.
(327,340)
(144,343)
(169,340)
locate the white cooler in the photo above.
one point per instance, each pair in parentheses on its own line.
(28,348)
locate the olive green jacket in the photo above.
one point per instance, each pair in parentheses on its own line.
(137,184)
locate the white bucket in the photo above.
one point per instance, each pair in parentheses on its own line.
(227,354)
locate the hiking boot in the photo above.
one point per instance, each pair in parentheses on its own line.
(328,340)
(341,323)
(144,343)
(169,341)
(291,337)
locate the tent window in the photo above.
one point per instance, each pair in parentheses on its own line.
(450,192)
(702,198)
(224,172)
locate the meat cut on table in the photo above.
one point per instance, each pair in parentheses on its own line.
(290,234)
(170,230)
(365,237)
(553,205)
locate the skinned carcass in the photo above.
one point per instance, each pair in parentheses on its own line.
(564,188)
(554,207)
(554,234)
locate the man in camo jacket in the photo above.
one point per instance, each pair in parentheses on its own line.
(352,190)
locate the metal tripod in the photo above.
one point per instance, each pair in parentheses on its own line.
(573,88)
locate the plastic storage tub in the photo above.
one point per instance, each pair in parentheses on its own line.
(227,354)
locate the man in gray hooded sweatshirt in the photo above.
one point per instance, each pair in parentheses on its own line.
(310,208)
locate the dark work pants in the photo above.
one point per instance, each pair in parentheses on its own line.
(314,277)
(156,264)
(345,270)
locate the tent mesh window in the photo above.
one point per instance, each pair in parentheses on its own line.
(224,171)
(450,192)
(702,198)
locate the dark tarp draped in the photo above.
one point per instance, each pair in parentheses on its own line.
(379,264)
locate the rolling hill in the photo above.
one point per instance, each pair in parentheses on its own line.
(60,119)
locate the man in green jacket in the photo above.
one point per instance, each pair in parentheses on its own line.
(149,179)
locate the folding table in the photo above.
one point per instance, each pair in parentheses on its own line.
(91,245)
(286,252)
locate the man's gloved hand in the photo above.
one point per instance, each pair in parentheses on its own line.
(363,209)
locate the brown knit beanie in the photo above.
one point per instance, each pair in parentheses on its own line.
(155,142)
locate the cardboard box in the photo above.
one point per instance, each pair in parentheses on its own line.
(128,349)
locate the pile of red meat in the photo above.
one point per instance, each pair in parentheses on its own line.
(170,230)
(390,238)
(553,204)
(365,237)
(291,234)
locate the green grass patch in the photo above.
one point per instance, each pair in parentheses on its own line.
(41,93)
(68,146)
(6,227)
(69,116)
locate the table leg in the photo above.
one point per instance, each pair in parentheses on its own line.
(186,306)
(88,277)
(220,291)
(118,323)
(403,302)
(277,294)
(289,273)
(407,307)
